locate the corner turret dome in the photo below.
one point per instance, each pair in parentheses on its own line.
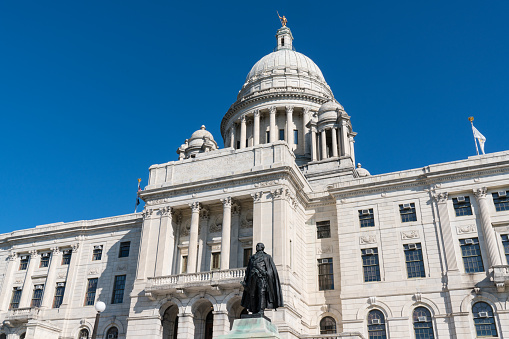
(201,141)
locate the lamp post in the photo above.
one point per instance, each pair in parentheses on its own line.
(99,307)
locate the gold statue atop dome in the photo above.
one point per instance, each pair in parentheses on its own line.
(282,19)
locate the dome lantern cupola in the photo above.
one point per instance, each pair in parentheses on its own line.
(284,38)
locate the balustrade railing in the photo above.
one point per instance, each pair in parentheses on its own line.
(23,313)
(206,277)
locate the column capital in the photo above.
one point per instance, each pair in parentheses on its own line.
(195,207)
(166,211)
(227,202)
(480,192)
(257,196)
(289,109)
(243,118)
(306,111)
(279,193)
(147,213)
(204,213)
(272,109)
(256,113)
(75,247)
(13,255)
(33,253)
(440,197)
(55,250)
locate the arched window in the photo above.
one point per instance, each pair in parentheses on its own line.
(423,327)
(112,333)
(484,320)
(327,325)
(84,334)
(376,325)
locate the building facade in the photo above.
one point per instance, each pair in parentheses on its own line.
(421,253)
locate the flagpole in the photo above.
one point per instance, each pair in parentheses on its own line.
(137,197)
(471,119)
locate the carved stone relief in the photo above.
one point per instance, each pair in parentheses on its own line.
(466,229)
(324,249)
(409,235)
(367,239)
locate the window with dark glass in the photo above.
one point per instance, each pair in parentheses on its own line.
(248,252)
(59,295)
(23,263)
(124,249)
(323,229)
(325,274)
(22,336)
(37,296)
(462,206)
(216,260)
(118,290)
(16,296)
(91,288)
(423,327)
(296,136)
(407,212)
(267,136)
(44,260)
(282,134)
(112,333)
(505,242)
(376,325)
(484,320)
(184,264)
(3,336)
(370,264)
(84,334)
(471,252)
(238,144)
(97,253)
(367,218)
(66,257)
(501,200)
(328,325)
(414,261)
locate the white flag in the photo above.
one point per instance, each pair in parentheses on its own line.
(479,138)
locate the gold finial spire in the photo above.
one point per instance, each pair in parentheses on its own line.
(282,19)
(470,119)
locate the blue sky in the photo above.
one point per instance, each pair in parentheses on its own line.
(94,92)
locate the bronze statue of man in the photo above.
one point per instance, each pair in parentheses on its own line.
(261,284)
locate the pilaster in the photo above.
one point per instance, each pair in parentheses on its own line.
(226,233)
(203,234)
(489,233)
(221,324)
(185,326)
(289,127)
(9,276)
(27,285)
(446,230)
(166,242)
(50,286)
(193,238)
(256,127)
(234,241)
(70,284)
(272,114)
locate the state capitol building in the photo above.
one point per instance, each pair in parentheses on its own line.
(419,253)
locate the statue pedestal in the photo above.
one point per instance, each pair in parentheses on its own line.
(252,328)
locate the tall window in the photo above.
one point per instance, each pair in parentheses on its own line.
(407,212)
(327,325)
(423,328)
(471,253)
(59,295)
(323,229)
(216,260)
(91,288)
(97,253)
(66,257)
(501,200)
(184,264)
(248,252)
(44,260)
(118,290)
(462,206)
(325,274)
(484,320)
(296,137)
(370,264)
(84,334)
(505,242)
(238,144)
(282,134)
(23,263)
(414,262)
(124,249)
(367,218)
(376,325)
(37,296)
(267,136)
(112,333)
(16,296)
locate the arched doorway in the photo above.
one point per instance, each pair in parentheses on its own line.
(203,319)
(209,326)
(170,322)
(235,310)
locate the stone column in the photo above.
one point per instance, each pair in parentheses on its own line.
(27,285)
(221,323)
(313,145)
(234,241)
(273,132)
(446,230)
(334,142)
(324,145)
(257,218)
(146,266)
(279,227)
(256,128)
(185,326)
(289,127)
(352,151)
(489,233)
(232,136)
(204,232)
(7,287)
(50,286)
(243,131)
(70,284)
(165,243)
(345,143)
(305,145)
(193,238)
(174,264)
(226,233)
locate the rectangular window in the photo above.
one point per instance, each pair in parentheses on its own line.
(370,264)
(367,218)
(216,260)
(44,260)
(296,136)
(238,144)
(184,264)
(91,288)
(267,137)
(118,290)
(66,257)
(325,274)
(97,253)
(462,206)
(248,252)
(407,212)
(501,200)
(16,296)
(23,263)
(323,229)
(59,295)
(414,262)
(471,252)
(282,134)
(37,296)
(505,242)
(124,249)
